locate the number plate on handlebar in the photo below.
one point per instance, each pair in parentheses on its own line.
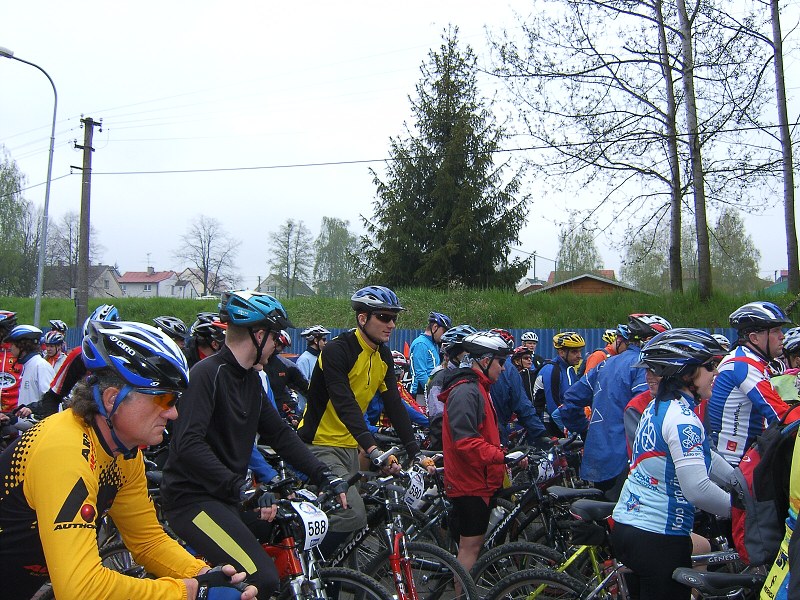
(315,523)
(415,490)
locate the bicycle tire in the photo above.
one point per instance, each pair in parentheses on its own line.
(435,573)
(538,584)
(351,585)
(511,557)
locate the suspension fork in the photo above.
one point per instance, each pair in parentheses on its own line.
(401,568)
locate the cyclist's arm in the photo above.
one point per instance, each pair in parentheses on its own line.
(373,413)
(578,396)
(422,363)
(70,544)
(260,467)
(395,408)
(687,450)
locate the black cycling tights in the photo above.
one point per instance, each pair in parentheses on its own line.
(652,557)
(217,533)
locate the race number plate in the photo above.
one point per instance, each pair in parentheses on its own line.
(315,523)
(415,490)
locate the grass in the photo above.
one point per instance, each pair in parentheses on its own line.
(481,308)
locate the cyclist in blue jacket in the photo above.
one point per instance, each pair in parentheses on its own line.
(607,389)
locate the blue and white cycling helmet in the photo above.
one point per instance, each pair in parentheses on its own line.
(246,308)
(679,351)
(24,332)
(139,354)
(53,338)
(375,297)
(452,338)
(623,332)
(440,319)
(485,343)
(530,336)
(757,316)
(104,312)
(58,325)
(791,341)
(142,356)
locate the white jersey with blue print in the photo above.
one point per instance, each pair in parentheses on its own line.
(669,435)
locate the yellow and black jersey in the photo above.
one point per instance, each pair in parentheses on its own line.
(58,481)
(346,377)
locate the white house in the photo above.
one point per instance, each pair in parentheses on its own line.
(151,284)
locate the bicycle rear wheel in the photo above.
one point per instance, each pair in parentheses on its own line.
(436,573)
(536,584)
(511,558)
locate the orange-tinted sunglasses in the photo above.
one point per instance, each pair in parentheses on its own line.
(164,399)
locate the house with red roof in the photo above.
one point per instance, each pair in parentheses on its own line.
(150,284)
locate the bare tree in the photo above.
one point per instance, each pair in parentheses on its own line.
(293,258)
(598,84)
(211,251)
(63,245)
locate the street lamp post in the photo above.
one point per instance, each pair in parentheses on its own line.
(37,310)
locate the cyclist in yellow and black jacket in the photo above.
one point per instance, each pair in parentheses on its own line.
(350,370)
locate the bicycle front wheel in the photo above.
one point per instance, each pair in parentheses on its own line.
(538,584)
(346,584)
(511,558)
(436,573)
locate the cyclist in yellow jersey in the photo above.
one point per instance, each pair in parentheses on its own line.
(347,375)
(70,470)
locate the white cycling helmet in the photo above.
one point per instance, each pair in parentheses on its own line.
(530,336)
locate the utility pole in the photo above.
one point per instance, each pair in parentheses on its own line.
(82,296)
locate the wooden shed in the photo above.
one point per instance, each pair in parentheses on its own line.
(588,283)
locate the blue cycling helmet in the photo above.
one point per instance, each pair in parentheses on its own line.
(53,338)
(139,354)
(246,308)
(623,332)
(677,352)
(452,338)
(375,297)
(104,312)
(757,316)
(440,319)
(24,332)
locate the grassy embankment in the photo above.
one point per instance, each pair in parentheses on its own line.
(487,308)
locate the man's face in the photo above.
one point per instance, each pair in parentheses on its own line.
(140,420)
(530,345)
(270,344)
(496,366)
(321,342)
(379,325)
(15,351)
(571,356)
(769,341)
(437,332)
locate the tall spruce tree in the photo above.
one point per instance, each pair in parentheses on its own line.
(443,215)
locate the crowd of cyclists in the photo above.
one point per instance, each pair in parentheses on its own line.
(666,415)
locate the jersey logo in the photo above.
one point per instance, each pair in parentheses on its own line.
(38,570)
(7,381)
(633,503)
(75,505)
(731,446)
(691,437)
(597,416)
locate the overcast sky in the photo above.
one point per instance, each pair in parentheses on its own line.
(223,109)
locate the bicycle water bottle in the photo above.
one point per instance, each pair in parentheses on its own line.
(495,517)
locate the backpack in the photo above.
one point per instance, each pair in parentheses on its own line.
(539,399)
(760,501)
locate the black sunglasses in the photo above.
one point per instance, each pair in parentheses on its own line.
(710,366)
(385,317)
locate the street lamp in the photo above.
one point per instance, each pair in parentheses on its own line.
(37,310)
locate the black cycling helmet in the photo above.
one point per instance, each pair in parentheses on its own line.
(208,328)
(172,326)
(758,316)
(645,325)
(375,297)
(8,320)
(678,352)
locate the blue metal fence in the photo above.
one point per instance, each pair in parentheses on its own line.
(400,337)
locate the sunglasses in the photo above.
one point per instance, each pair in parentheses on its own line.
(710,366)
(164,399)
(385,317)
